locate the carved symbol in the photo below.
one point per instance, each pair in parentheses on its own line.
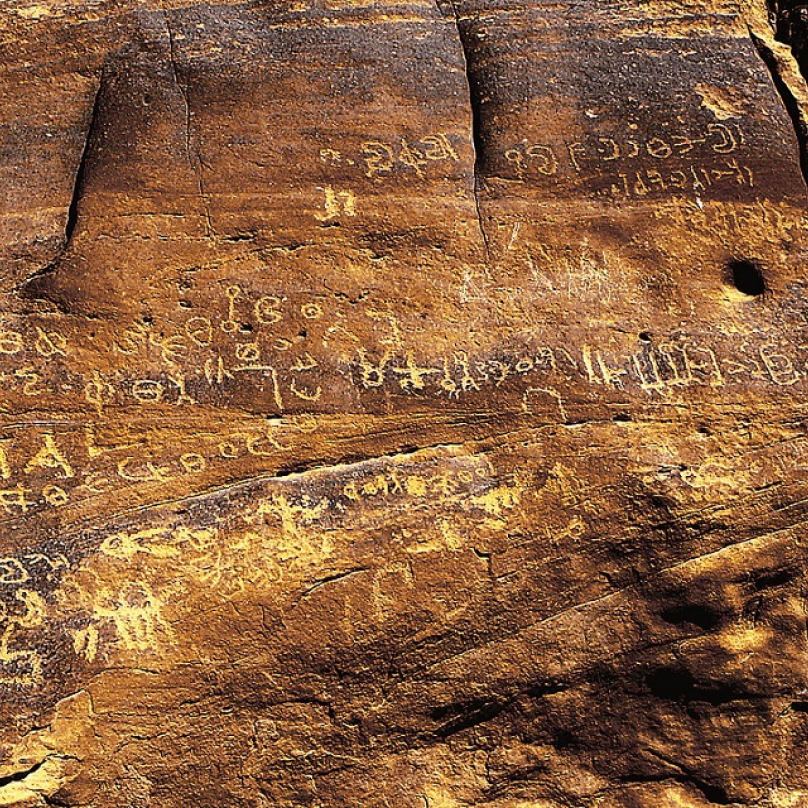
(200,330)
(148,391)
(337,203)
(49,456)
(50,344)
(12,572)
(267,310)
(230,324)
(11,342)
(98,392)
(378,157)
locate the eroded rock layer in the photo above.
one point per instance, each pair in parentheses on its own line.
(403,404)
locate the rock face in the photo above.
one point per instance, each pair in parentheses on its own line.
(403,404)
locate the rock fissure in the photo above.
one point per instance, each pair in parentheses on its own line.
(194,160)
(448,9)
(716,795)
(787,77)
(22,774)
(368,515)
(183,89)
(30,285)
(331,579)
(79,181)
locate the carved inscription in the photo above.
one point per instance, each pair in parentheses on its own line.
(662,369)
(631,165)
(23,609)
(282,537)
(299,353)
(406,156)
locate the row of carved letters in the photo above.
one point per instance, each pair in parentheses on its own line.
(548,160)
(660,368)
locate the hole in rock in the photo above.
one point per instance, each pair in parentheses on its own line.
(713,793)
(680,685)
(747,277)
(562,739)
(773,578)
(670,684)
(694,614)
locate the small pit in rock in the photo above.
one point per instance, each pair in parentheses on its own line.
(747,277)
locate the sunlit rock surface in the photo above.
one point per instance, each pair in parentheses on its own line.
(403,404)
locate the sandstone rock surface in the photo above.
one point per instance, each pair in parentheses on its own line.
(403,403)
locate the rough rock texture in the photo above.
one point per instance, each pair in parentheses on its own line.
(403,404)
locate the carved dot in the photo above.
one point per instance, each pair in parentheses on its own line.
(746,277)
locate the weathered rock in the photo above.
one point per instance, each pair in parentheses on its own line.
(402,404)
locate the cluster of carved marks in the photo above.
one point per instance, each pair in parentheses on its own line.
(402,405)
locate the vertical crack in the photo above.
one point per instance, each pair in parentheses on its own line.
(448,10)
(789,21)
(182,88)
(30,286)
(194,160)
(78,182)
(785,73)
